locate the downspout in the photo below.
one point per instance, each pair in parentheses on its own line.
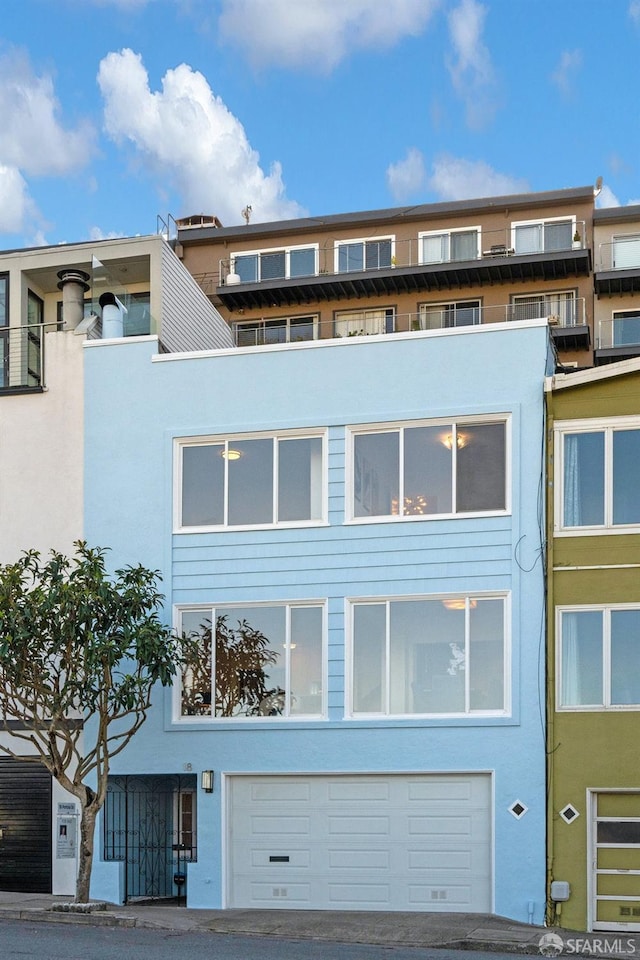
(551,918)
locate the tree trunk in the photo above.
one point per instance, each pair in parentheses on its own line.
(87,830)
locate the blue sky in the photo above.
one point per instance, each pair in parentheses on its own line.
(117,111)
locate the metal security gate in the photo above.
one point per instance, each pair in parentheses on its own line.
(150,824)
(25,827)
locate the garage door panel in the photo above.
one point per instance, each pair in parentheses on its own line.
(355,790)
(415,843)
(279,825)
(354,826)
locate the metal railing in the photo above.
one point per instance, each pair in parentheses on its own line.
(620,254)
(559,313)
(22,356)
(456,247)
(618,332)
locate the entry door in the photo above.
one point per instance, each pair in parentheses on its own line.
(616,861)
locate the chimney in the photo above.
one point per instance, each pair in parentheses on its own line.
(112,316)
(73,284)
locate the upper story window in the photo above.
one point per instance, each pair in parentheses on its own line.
(598,658)
(626,252)
(445,246)
(33,358)
(354,323)
(429,469)
(543,236)
(253,333)
(254,661)
(358,255)
(257,265)
(429,656)
(598,488)
(255,481)
(457,313)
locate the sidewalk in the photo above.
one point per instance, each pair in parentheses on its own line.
(469,931)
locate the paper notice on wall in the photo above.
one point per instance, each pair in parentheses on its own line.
(66,838)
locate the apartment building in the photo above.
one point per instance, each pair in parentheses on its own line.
(424,267)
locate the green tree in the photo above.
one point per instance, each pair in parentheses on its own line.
(80,654)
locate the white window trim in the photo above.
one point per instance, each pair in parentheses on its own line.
(176,692)
(448,231)
(286,249)
(471,715)
(363,240)
(605,609)
(262,322)
(570,218)
(608,426)
(180,443)
(391,427)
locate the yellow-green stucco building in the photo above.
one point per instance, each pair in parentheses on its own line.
(593,709)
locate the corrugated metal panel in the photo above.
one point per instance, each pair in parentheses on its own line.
(189,319)
(25,822)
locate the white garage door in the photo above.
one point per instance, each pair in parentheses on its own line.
(397,842)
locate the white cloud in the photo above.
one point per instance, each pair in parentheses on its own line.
(634,11)
(471,70)
(97,233)
(189,138)
(453,178)
(318,34)
(16,206)
(406,177)
(564,74)
(32,138)
(607,198)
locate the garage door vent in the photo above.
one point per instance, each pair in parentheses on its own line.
(438,894)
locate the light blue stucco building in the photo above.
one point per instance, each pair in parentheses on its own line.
(354,527)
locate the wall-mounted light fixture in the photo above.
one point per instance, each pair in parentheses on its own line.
(206,781)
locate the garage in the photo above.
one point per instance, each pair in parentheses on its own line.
(25,827)
(360,842)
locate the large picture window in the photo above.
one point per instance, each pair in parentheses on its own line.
(254,661)
(599,658)
(450,245)
(290,262)
(599,487)
(543,236)
(254,481)
(429,656)
(358,255)
(430,469)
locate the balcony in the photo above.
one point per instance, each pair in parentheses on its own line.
(22,359)
(567,322)
(399,267)
(618,338)
(618,267)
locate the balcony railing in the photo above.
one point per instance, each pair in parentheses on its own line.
(619,333)
(457,247)
(22,357)
(620,254)
(563,314)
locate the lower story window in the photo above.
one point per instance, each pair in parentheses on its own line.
(254,661)
(354,323)
(599,658)
(429,656)
(255,333)
(439,316)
